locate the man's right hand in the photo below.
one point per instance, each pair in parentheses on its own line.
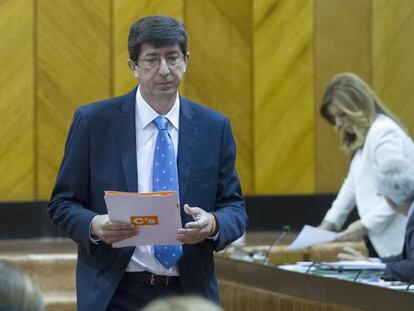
(111,231)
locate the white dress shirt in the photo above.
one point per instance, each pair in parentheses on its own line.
(146,135)
(385,142)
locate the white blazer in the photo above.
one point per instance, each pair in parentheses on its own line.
(385,141)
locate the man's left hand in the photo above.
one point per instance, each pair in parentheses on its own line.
(198,230)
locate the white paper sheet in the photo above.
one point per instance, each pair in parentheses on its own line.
(157,215)
(310,236)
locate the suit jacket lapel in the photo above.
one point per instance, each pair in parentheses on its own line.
(125,134)
(186,143)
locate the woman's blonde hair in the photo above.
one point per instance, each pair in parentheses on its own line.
(352,95)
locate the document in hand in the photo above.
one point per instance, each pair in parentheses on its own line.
(310,236)
(157,214)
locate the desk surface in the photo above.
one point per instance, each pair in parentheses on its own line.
(329,290)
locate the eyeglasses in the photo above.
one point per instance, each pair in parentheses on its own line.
(173,60)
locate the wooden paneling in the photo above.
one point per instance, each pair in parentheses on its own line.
(342,36)
(263,63)
(73,67)
(125,13)
(237,297)
(392,59)
(219,73)
(16,101)
(283,97)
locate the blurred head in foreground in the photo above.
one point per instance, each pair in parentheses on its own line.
(17,291)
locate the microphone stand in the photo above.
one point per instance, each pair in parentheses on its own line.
(314,263)
(409,284)
(358,274)
(285,230)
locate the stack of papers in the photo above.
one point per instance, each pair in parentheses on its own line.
(355,265)
(157,214)
(344,265)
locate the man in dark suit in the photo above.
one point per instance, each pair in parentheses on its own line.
(115,145)
(396,183)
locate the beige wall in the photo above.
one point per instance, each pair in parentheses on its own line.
(264,63)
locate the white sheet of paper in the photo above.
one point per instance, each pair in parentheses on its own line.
(310,236)
(136,207)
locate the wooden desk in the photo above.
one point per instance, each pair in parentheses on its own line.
(248,286)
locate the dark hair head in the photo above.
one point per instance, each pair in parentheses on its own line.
(158,31)
(18,291)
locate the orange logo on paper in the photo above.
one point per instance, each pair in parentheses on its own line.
(144,220)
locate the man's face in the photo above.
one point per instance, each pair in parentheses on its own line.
(159,70)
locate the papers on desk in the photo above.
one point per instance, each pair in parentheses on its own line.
(310,236)
(157,214)
(355,265)
(344,265)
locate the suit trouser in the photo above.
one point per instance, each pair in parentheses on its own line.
(137,289)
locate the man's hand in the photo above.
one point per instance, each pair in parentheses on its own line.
(203,226)
(354,232)
(352,254)
(111,231)
(327,225)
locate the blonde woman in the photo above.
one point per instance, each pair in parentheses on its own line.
(373,137)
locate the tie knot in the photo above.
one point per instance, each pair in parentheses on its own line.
(161,122)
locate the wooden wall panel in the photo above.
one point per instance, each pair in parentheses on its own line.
(342,36)
(264,63)
(73,68)
(219,72)
(283,97)
(125,13)
(16,101)
(392,59)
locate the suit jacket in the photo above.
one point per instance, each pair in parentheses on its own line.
(100,154)
(385,142)
(401,267)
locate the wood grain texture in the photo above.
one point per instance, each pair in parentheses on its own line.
(125,13)
(237,297)
(283,97)
(392,59)
(73,68)
(342,35)
(219,72)
(16,101)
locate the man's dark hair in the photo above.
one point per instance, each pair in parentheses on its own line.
(158,31)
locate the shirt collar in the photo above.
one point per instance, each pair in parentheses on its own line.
(146,114)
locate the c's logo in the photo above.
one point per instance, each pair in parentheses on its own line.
(150,220)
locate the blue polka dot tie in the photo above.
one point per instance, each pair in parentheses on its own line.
(165,178)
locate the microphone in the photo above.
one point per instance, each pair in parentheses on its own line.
(285,230)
